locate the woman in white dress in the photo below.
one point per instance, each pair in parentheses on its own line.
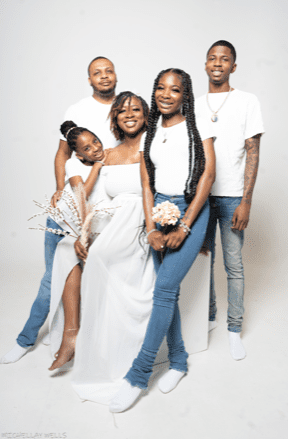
(118,278)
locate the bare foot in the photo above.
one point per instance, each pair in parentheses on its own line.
(67,349)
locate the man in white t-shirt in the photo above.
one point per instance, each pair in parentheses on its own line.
(92,113)
(237,122)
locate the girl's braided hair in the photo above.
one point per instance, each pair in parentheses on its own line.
(72,134)
(193,134)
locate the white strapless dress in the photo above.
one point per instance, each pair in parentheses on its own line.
(116,292)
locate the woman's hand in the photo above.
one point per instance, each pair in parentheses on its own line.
(175,237)
(80,250)
(157,240)
(56,197)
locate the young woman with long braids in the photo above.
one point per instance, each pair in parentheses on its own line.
(179,167)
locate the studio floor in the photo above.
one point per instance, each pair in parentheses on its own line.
(219,398)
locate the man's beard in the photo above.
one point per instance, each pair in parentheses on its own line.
(107,92)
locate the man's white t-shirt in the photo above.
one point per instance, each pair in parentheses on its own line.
(89,113)
(171,158)
(239,119)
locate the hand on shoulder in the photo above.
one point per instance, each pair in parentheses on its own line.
(108,153)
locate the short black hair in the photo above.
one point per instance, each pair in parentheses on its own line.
(95,59)
(224,43)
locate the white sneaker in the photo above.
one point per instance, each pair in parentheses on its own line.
(237,349)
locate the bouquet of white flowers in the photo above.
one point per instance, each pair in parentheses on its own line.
(166,213)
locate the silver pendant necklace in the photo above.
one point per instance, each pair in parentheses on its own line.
(215,116)
(164,133)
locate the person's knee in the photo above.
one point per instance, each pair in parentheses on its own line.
(234,269)
(233,263)
(165,297)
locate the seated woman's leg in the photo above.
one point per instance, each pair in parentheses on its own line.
(71,304)
(165,297)
(174,336)
(172,271)
(174,339)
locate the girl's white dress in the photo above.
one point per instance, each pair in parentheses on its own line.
(116,292)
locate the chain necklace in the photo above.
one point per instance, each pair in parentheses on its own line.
(165,133)
(214,116)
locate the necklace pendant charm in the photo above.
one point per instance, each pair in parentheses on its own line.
(214,118)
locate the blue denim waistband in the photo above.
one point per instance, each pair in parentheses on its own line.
(171,198)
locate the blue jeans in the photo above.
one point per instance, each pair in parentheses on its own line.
(41,305)
(165,316)
(222,210)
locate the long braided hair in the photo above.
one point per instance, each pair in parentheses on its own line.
(193,134)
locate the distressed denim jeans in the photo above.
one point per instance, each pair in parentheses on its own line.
(222,210)
(41,305)
(165,316)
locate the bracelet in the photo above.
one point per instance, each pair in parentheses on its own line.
(184,226)
(153,230)
(99,161)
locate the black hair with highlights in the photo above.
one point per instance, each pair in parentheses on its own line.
(117,105)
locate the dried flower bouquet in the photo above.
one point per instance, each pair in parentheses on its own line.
(81,213)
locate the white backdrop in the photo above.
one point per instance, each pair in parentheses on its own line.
(45,49)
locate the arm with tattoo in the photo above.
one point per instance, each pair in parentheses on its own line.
(241,214)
